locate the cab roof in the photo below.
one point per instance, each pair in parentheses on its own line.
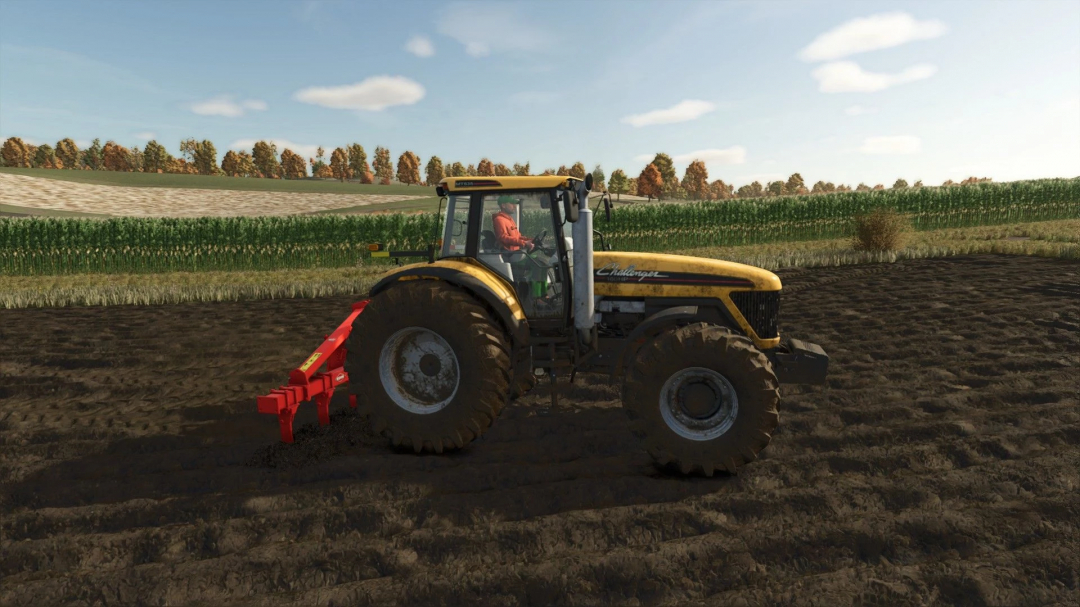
(537,182)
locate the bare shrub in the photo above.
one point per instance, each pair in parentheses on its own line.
(880,230)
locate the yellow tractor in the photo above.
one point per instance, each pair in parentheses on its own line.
(513,292)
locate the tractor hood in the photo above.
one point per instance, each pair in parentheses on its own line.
(659,275)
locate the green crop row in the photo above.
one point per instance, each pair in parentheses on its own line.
(63,246)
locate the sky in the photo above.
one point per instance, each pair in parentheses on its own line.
(848,92)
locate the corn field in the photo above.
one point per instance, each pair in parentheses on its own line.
(42,246)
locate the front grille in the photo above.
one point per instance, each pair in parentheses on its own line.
(760,309)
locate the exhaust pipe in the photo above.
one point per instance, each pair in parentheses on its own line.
(584,304)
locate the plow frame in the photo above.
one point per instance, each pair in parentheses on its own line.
(306,382)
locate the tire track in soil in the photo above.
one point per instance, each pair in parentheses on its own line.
(938,466)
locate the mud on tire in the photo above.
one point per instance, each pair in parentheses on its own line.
(429,366)
(685,367)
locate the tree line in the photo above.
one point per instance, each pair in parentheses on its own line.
(658,179)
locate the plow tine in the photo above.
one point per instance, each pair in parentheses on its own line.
(307,383)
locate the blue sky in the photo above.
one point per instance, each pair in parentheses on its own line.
(840,91)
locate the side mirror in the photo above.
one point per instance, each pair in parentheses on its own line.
(570,206)
(588,181)
(440,191)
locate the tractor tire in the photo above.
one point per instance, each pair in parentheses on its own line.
(429,366)
(524,379)
(702,398)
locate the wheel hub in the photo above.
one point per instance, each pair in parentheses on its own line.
(419,370)
(699,404)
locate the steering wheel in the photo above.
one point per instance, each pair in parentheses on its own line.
(538,242)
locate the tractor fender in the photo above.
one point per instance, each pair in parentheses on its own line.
(651,327)
(517,328)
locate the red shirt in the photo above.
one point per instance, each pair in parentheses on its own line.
(506,232)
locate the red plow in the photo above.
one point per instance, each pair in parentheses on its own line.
(306,382)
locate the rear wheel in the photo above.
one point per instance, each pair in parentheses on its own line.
(428,365)
(702,399)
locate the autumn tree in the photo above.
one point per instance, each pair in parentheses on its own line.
(618,183)
(470,171)
(775,188)
(666,166)
(45,158)
(696,180)
(795,185)
(68,153)
(205,158)
(819,187)
(578,170)
(265,157)
(547,172)
(598,179)
(292,165)
(752,190)
(245,166)
(115,157)
(456,170)
(843,188)
(521,170)
(91,157)
(501,170)
(339,165)
(650,182)
(899,184)
(230,164)
(862,187)
(917,184)
(485,168)
(408,168)
(155,158)
(879,186)
(563,171)
(187,149)
(718,190)
(384,167)
(434,172)
(358,162)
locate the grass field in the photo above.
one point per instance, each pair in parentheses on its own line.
(1059,239)
(212,182)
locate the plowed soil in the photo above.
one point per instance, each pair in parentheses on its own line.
(939,466)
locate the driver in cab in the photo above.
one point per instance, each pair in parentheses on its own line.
(506,230)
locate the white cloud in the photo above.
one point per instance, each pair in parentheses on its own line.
(733,155)
(690,109)
(420,46)
(848,77)
(858,110)
(644,157)
(146,135)
(885,30)
(223,105)
(899,144)
(375,93)
(305,150)
(493,28)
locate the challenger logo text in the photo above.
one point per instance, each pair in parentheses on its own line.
(614,272)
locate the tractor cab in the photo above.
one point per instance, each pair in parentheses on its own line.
(518,228)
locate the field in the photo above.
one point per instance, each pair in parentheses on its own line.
(26,193)
(939,466)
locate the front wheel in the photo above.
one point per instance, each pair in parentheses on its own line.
(702,398)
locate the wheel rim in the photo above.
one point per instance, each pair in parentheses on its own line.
(699,404)
(419,370)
